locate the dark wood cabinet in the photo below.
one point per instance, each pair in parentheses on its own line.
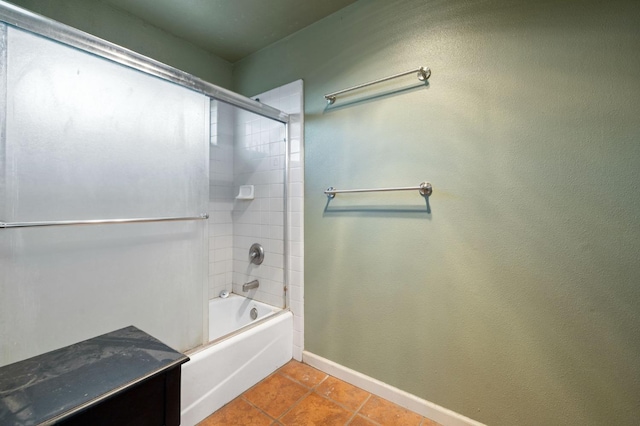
(121,378)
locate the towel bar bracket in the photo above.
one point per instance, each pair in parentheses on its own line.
(330,192)
(424,73)
(425,189)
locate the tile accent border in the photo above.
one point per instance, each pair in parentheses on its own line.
(404,399)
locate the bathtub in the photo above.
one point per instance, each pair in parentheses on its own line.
(230,314)
(222,370)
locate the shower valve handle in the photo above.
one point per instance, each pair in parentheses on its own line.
(256,254)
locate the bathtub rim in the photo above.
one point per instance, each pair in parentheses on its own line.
(235,333)
(265,310)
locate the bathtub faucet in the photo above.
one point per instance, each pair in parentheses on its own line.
(250,285)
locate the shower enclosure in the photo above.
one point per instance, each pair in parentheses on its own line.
(110,165)
(247,201)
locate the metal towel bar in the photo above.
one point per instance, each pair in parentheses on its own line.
(423,74)
(100,222)
(424,188)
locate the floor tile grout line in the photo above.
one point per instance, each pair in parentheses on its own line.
(259,383)
(373,422)
(309,391)
(422,418)
(362,405)
(297,381)
(326,376)
(241,397)
(350,419)
(329,375)
(307,388)
(313,390)
(340,404)
(292,406)
(256,407)
(281,374)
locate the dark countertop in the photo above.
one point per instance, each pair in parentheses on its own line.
(50,387)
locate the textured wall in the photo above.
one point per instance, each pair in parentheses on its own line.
(515,300)
(116,26)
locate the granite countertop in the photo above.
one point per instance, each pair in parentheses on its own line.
(49,387)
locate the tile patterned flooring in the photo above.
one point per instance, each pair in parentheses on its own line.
(299,395)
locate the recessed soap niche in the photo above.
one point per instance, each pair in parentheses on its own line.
(246,192)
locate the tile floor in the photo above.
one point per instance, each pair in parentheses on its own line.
(298,394)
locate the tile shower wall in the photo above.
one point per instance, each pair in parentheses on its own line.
(257,157)
(292,103)
(289,98)
(221,198)
(259,160)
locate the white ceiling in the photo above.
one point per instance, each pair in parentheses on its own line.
(231,29)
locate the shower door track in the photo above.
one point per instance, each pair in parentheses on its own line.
(38,24)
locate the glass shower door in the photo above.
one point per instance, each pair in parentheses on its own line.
(84,138)
(247,201)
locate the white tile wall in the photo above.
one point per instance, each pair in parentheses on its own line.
(259,161)
(257,157)
(289,98)
(221,198)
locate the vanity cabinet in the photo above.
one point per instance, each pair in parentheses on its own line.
(125,377)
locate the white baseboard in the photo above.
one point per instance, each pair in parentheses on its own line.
(404,399)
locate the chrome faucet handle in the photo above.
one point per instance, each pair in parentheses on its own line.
(256,254)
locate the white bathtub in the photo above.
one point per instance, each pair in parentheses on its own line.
(230,314)
(220,372)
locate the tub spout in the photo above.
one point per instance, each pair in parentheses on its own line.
(250,285)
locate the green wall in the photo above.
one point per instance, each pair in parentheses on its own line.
(116,26)
(516,299)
